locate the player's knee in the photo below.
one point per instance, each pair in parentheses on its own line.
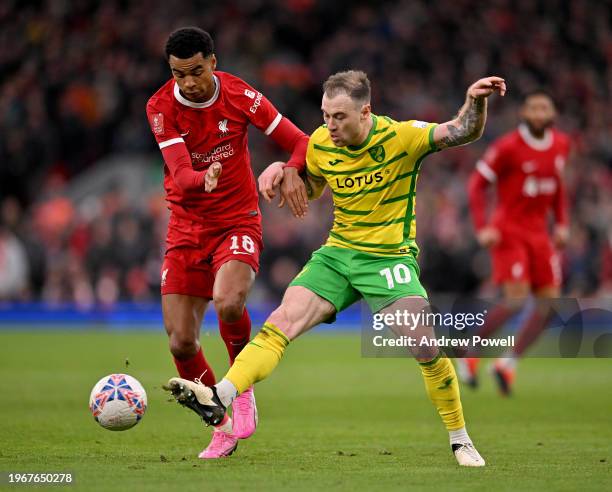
(183,346)
(230,307)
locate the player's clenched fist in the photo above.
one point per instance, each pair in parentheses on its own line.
(212,176)
(487,86)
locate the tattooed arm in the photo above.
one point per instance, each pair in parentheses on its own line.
(314,186)
(469,124)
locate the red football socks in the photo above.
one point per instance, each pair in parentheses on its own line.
(196,367)
(236,335)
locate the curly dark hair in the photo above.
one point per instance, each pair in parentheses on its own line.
(189,41)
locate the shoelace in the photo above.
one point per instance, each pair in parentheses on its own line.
(199,380)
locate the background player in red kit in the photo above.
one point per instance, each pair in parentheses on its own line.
(526,166)
(199,119)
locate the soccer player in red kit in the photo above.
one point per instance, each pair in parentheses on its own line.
(199,119)
(526,167)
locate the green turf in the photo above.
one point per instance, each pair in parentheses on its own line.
(329,420)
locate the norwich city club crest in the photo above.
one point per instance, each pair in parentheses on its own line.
(377,153)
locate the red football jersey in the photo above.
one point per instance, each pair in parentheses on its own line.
(212,131)
(528,174)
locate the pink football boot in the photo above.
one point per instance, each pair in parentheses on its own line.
(221,445)
(244,415)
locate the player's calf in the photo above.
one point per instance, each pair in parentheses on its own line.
(183,346)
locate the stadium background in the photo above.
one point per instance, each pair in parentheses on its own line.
(82,223)
(82,211)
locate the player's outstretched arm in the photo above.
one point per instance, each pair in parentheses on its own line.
(468,125)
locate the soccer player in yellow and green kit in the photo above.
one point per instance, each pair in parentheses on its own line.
(371,164)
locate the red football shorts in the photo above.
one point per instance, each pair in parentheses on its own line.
(527,258)
(195,252)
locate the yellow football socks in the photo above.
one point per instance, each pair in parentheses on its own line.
(259,358)
(443,390)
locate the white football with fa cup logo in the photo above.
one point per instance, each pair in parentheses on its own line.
(118,402)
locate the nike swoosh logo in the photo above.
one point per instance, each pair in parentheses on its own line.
(241,253)
(185,134)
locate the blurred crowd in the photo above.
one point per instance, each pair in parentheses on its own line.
(75,77)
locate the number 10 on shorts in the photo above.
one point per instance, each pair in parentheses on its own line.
(400,274)
(248,246)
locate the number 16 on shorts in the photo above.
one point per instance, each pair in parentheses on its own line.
(242,245)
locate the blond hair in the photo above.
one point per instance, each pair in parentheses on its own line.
(353,83)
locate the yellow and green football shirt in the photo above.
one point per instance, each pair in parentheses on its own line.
(373,184)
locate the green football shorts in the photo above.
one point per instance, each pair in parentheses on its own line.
(343,276)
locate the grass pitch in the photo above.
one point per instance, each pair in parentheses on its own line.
(328,420)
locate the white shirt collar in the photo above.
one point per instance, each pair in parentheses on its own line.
(186,102)
(536,143)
